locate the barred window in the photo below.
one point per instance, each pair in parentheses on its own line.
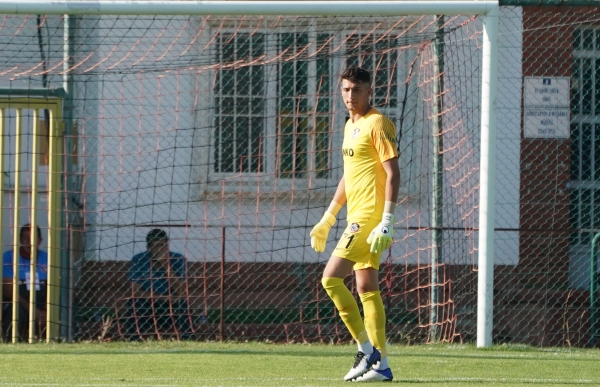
(304,107)
(377,54)
(240,106)
(278,117)
(585,135)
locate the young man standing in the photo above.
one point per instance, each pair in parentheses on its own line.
(369,186)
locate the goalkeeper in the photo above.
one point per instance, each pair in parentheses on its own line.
(369,186)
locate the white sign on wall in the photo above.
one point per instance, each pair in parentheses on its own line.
(546,105)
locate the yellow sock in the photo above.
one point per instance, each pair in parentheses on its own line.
(345,304)
(375,320)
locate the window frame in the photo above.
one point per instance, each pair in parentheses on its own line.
(269,179)
(585,218)
(234,95)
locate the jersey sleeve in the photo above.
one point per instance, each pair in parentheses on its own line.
(383,136)
(7,269)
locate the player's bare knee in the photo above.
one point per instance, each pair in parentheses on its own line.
(330,282)
(367,280)
(367,286)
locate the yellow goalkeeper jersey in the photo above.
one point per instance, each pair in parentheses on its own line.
(368,142)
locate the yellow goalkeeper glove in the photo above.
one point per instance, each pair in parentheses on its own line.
(319,233)
(380,238)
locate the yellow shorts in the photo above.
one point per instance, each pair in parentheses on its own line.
(353,244)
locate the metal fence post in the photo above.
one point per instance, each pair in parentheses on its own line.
(221,290)
(593,281)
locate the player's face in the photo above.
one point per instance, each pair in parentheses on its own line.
(356,95)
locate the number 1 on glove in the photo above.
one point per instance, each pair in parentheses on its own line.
(380,238)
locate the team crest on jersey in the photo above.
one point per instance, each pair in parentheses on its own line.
(354,227)
(355,133)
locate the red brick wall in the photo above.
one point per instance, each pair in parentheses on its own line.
(545,164)
(529,316)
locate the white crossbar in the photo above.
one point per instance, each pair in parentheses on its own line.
(329,8)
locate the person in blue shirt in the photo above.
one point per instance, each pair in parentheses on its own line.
(24,285)
(158,303)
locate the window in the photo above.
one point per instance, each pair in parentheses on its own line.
(377,54)
(585,135)
(304,107)
(277,119)
(300,119)
(240,105)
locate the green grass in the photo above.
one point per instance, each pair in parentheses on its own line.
(262,364)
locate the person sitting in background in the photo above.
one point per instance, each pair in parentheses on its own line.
(158,303)
(41,278)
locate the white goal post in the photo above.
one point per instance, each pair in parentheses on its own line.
(487,9)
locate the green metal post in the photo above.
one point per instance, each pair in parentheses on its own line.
(437,175)
(66,272)
(593,281)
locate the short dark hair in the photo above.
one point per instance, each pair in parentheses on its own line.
(27,227)
(357,74)
(156,235)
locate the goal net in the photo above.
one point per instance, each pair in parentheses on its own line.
(225,132)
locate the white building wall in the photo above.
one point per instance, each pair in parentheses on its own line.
(467,95)
(147,160)
(508,150)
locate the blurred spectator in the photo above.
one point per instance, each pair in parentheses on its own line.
(158,303)
(41,287)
